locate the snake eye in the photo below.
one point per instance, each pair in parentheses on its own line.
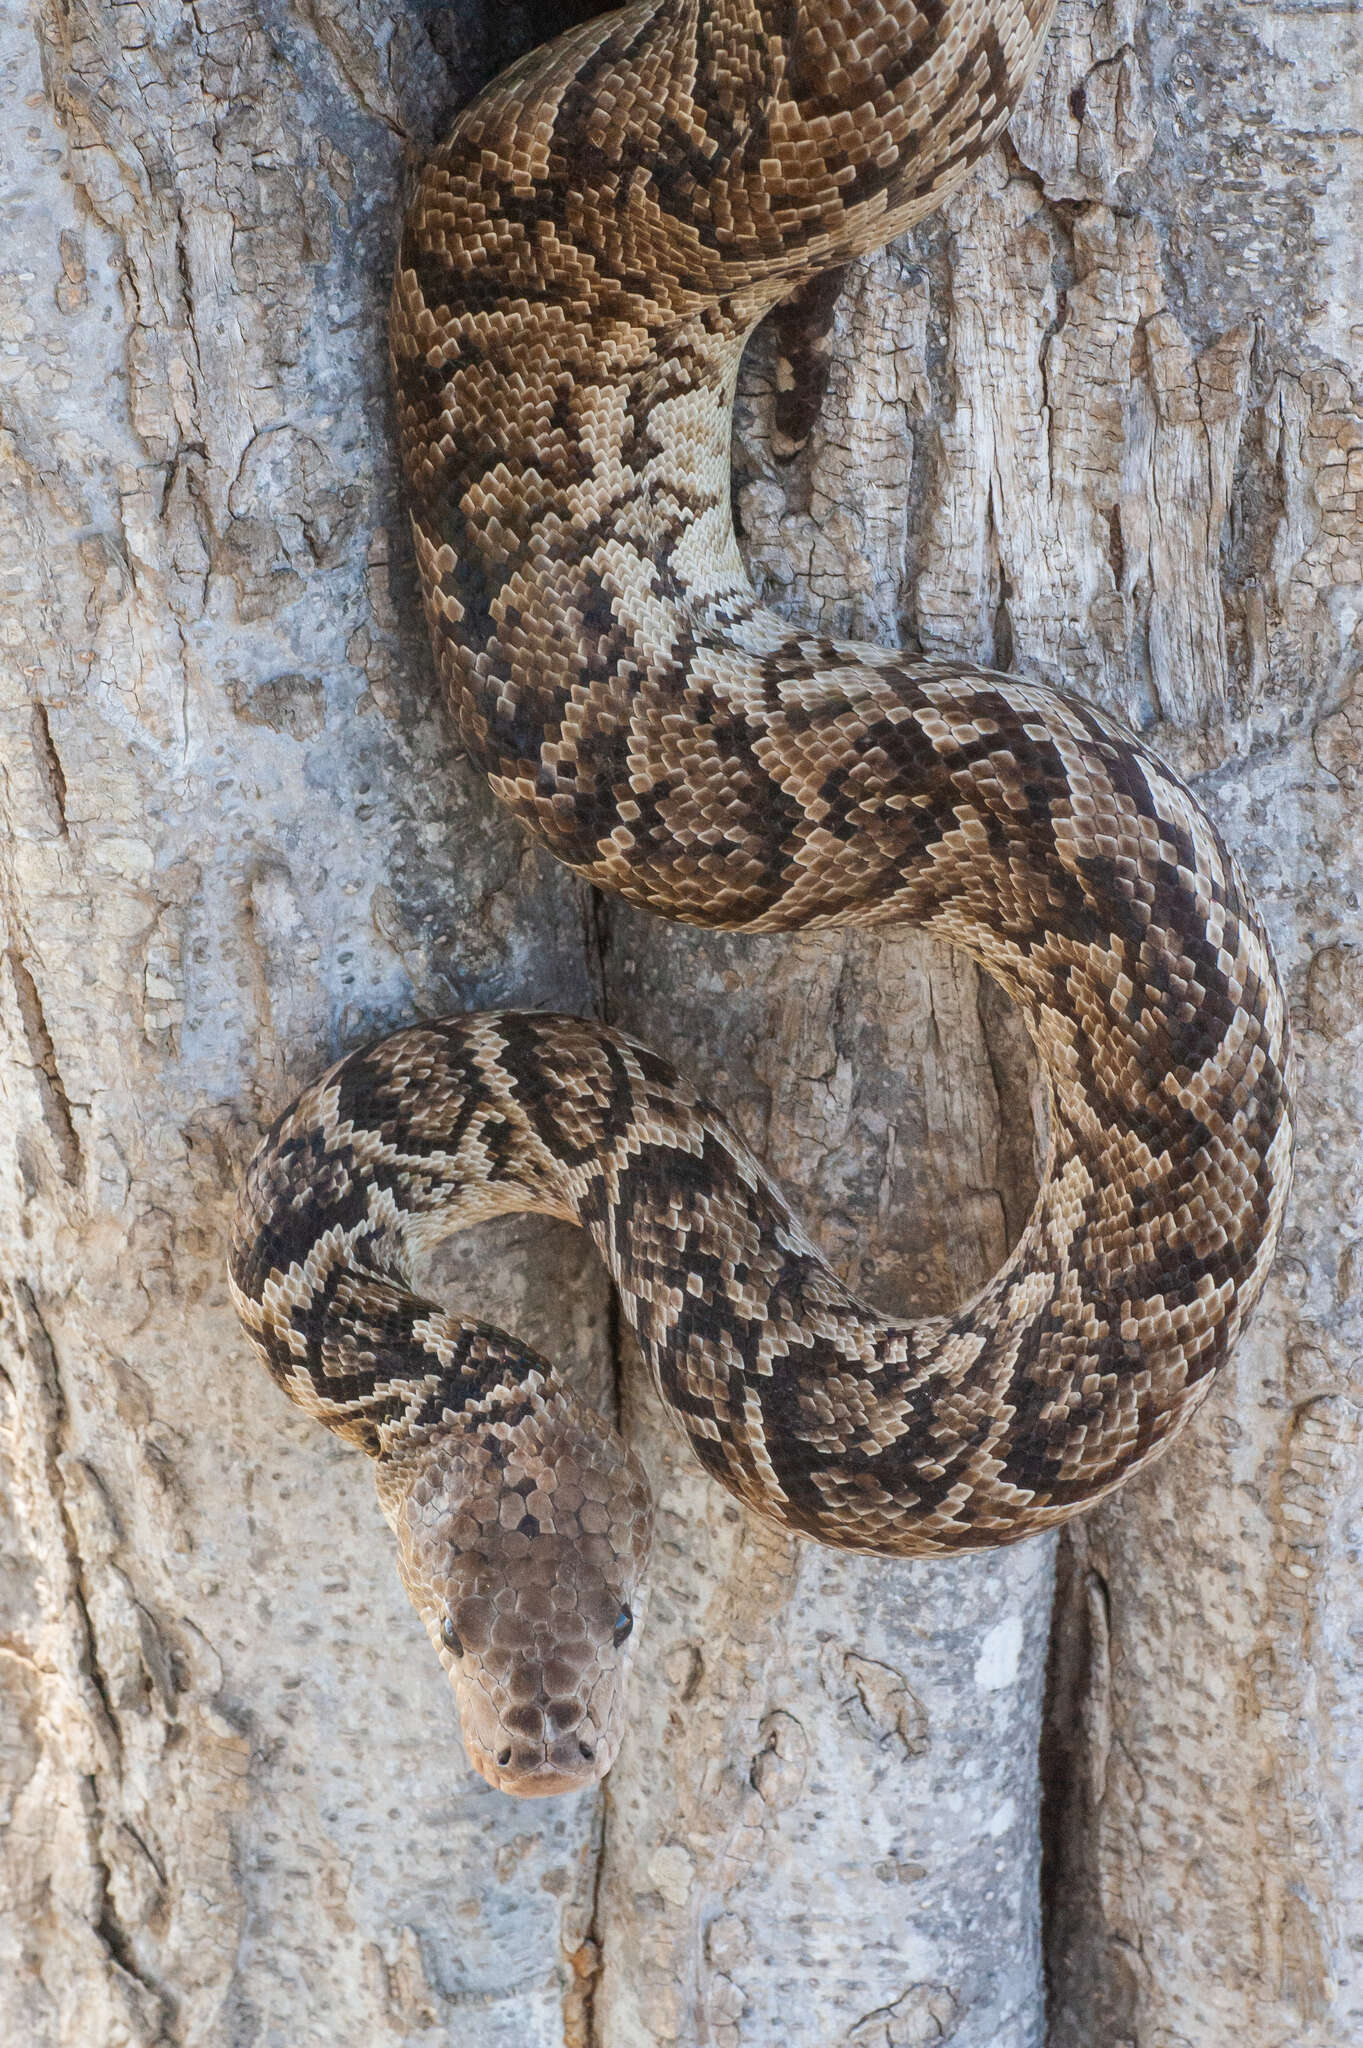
(624,1622)
(449,1636)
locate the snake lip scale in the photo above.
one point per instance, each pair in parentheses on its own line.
(580,267)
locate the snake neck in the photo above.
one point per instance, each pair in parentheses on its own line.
(330,1218)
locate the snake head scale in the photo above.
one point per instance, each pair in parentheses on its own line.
(522,1543)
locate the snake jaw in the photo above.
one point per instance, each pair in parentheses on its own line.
(520,1541)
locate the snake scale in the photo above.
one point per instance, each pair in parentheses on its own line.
(580,267)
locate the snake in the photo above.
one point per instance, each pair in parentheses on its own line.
(580,266)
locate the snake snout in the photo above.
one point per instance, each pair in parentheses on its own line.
(549,1727)
(536,1771)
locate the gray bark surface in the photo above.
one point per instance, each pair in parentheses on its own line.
(1097,424)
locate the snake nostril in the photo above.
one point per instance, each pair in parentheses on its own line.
(503,1758)
(588,1750)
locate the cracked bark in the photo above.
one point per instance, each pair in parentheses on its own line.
(1095,422)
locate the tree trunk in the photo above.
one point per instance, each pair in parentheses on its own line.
(1093,424)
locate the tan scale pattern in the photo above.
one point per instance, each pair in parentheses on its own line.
(580,267)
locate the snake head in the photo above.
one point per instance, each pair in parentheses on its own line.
(522,1541)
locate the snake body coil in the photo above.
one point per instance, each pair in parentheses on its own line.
(580,268)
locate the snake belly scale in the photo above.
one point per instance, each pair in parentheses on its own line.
(580,267)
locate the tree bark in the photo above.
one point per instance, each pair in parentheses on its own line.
(1095,424)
